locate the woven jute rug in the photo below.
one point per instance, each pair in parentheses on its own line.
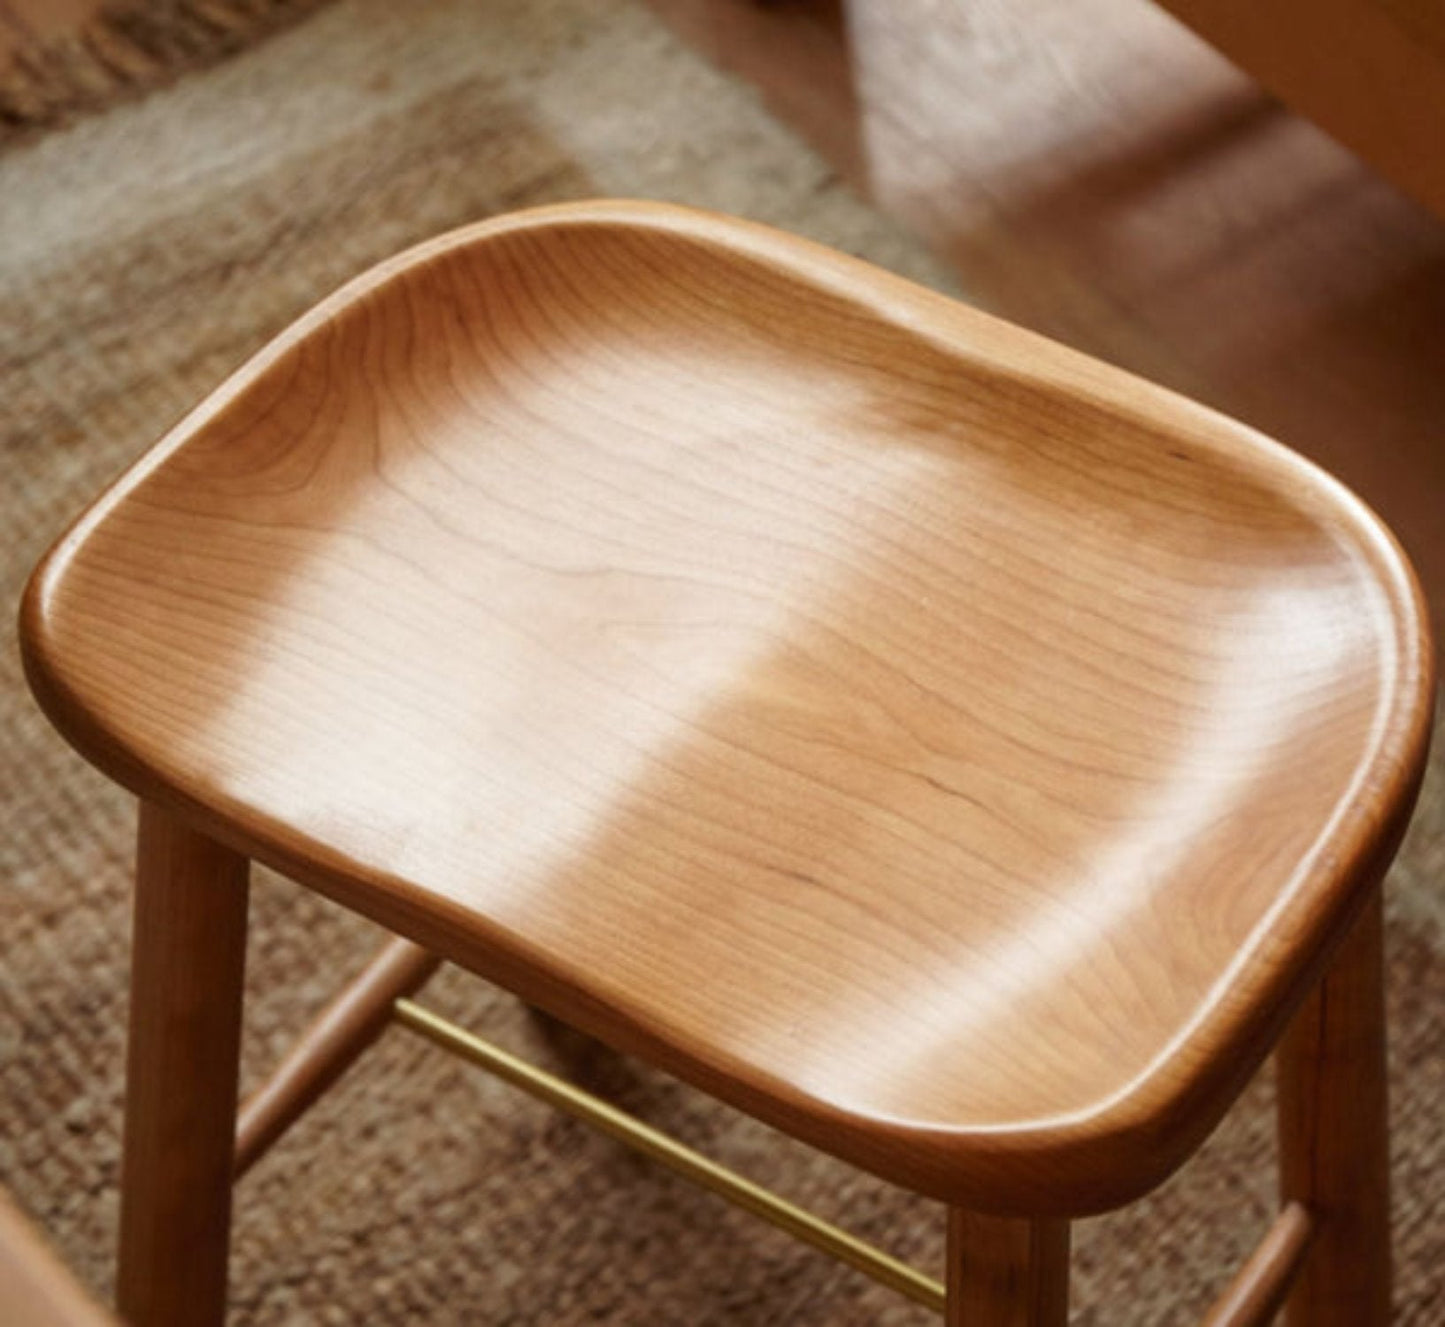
(144,251)
(123,48)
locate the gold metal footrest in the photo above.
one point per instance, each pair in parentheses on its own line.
(675,1156)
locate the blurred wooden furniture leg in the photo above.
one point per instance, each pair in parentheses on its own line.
(36,1288)
(1334,1136)
(189,952)
(1007,1272)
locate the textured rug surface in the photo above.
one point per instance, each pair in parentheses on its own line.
(121,49)
(143,253)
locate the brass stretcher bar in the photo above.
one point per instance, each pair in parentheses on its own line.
(381,995)
(677,1157)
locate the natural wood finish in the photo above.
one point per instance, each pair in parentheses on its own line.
(1005,1272)
(331,1045)
(1098,173)
(1334,1136)
(36,1289)
(948,748)
(1257,1292)
(188,959)
(1372,72)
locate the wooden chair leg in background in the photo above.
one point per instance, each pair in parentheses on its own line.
(187,964)
(1007,1272)
(1334,1136)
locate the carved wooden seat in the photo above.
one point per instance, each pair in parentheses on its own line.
(949,749)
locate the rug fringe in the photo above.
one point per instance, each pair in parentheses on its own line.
(128,48)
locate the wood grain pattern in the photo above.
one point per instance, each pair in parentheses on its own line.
(188,954)
(1006,1272)
(950,749)
(1098,173)
(1334,1136)
(1372,72)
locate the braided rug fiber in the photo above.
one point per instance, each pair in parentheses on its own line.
(144,251)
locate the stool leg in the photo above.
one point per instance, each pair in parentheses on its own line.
(1334,1136)
(1005,1272)
(187,961)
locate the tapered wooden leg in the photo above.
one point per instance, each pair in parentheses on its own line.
(187,962)
(1334,1137)
(1006,1273)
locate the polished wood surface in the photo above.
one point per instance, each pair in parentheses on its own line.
(1334,1136)
(1372,72)
(188,953)
(1006,1272)
(36,1289)
(1257,1293)
(349,1024)
(952,750)
(1098,173)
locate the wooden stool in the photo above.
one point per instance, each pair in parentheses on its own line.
(948,749)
